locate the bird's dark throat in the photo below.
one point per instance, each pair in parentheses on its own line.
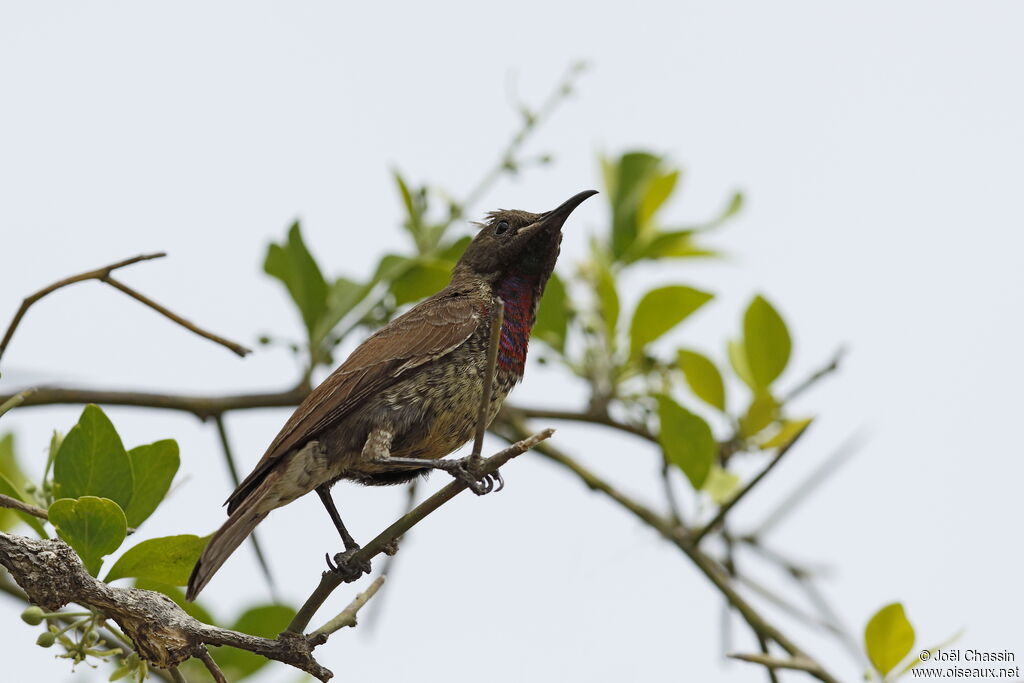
(520,291)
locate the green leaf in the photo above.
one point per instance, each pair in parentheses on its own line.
(265,621)
(721,485)
(628,182)
(424,277)
(553,315)
(738,361)
(687,441)
(703,377)
(414,207)
(788,430)
(763,411)
(10,518)
(168,559)
(657,192)
(660,310)
(12,483)
(193,609)
(153,466)
(94,527)
(293,265)
(734,206)
(675,244)
(888,638)
(92,461)
(766,341)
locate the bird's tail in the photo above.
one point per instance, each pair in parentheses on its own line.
(224,542)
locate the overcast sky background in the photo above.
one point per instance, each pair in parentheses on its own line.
(879,146)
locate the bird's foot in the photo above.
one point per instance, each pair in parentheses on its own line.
(344,567)
(467,470)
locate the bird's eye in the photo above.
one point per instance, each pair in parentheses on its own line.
(501,227)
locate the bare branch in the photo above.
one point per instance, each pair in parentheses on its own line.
(203,407)
(331,580)
(103,275)
(818,375)
(677,536)
(211,666)
(15,504)
(518,412)
(347,617)
(794,663)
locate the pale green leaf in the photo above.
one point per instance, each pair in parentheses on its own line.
(686,440)
(94,527)
(295,267)
(9,518)
(888,638)
(553,315)
(660,310)
(92,461)
(168,559)
(738,362)
(788,430)
(153,467)
(424,277)
(766,342)
(762,412)
(721,485)
(703,377)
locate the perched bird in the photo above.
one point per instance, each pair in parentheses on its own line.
(411,393)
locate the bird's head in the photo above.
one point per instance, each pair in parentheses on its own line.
(517,241)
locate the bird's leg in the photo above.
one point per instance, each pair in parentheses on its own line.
(341,564)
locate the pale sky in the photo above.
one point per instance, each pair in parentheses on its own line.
(879,147)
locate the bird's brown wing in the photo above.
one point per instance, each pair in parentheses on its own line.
(428,331)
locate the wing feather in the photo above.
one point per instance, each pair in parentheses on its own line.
(426,332)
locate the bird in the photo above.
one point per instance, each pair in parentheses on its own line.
(412,392)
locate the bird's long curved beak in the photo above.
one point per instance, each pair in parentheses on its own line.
(554,219)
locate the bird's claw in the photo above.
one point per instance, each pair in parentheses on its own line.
(345,568)
(467,471)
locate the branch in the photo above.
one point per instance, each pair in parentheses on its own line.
(203,407)
(331,580)
(15,504)
(818,375)
(794,663)
(52,575)
(512,412)
(728,506)
(103,275)
(347,617)
(678,537)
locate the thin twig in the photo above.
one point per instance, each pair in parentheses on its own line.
(229,457)
(177,676)
(818,375)
(724,509)
(347,617)
(16,400)
(832,463)
(388,569)
(203,407)
(578,416)
(799,663)
(103,275)
(331,580)
(493,341)
(211,665)
(15,504)
(679,537)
